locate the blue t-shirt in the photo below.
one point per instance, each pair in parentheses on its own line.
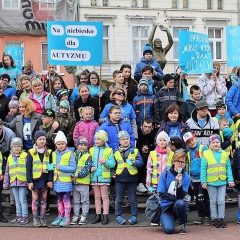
(27,136)
(202,122)
(174,132)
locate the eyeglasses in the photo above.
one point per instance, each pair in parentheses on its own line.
(180,162)
(117,113)
(120,94)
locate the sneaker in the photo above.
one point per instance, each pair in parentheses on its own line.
(36,222)
(132,220)
(141,188)
(182,229)
(65,222)
(47,212)
(83,220)
(238,222)
(16,220)
(57,221)
(43,222)
(222,223)
(24,221)
(207,221)
(154,224)
(120,220)
(74,220)
(215,223)
(199,221)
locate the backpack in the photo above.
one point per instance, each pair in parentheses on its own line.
(153,210)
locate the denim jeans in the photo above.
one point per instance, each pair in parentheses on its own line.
(217,201)
(167,218)
(20,195)
(131,188)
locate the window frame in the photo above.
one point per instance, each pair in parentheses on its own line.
(138,39)
(209,4)
(220,4)
(215,41)
(177,39)
(93,3)
(185,4)
(145,3)
(11,8)
(175,4)
(105,3)
(110,42)
(47,2)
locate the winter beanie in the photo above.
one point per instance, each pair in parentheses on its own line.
(64,104)
(16,141)
(163,135)
(60,137)
(147,49)
(102,135)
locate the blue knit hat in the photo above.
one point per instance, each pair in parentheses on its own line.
(147,49)
(123,134)
(143,81)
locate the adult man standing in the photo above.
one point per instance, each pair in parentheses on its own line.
(145,144)
(201,123)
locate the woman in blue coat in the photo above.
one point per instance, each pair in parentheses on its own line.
(173,192)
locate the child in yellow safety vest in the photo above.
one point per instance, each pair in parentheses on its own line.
(216,173)
(81,181)
(39,177)
(158,160)
(16,175)
(64,168)
(103,161)
(128,161)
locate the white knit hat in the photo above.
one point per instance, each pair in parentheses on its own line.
(163,135)
(60,137)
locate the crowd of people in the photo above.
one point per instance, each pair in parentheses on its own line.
(145,134)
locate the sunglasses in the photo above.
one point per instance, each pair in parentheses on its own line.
(120,94)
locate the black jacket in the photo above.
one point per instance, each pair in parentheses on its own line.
(3,106)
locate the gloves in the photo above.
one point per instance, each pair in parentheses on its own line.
(200,197)
(151,189)
(130,162)
(51,166)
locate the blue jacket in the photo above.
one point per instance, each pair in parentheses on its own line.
(169,178)
(96,176)
(153,63)
(58,185)
(112,132)
(233,99)
(195,161)
(9,92)
(143,104)
(127,112)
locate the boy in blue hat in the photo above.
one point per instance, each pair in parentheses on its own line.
(128,161)
(143,102)
(148,59)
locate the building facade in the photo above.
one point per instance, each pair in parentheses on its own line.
(128,23)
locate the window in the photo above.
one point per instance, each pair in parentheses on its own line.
(134,3)
(10,4)
(47,4)
(174,4)
(93,3)
(215,40)
(139,39)
(105,3)
(145,3)
(176,31)
(185,3)
(14,44)
(220,4)
(44,56)
(209,4)
(106,42)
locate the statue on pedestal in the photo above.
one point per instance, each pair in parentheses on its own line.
(158,51)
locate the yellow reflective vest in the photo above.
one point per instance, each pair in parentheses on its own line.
(155,173)
(121,164)
(65,161)
(18,170)
(81,164)
(39,167)
(106,153)
(1,162)
(216,171)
